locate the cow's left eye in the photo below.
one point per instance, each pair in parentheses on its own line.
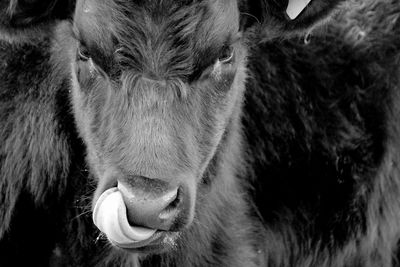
(227,54)
(83,53)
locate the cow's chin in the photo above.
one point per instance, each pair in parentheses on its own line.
(160,242)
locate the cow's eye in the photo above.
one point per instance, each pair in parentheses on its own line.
(83,53)
(226,55)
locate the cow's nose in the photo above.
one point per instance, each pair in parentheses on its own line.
(152,203)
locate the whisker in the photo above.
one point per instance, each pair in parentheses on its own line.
(252,16)
(81,214)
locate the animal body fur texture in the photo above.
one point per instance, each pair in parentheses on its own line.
(306,172)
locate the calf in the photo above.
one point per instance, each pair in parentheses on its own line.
(199,133)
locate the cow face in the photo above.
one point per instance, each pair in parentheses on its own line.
(155,84)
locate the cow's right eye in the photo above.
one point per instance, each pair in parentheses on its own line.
(227,54)
(83,53)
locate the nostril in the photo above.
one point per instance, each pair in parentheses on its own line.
(171,209)
(171,199)
(152,207)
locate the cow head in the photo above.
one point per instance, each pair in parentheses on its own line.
(155,85)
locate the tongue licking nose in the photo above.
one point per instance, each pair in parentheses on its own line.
(128,215)
(110,217)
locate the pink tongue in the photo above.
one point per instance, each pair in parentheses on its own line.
(110,217)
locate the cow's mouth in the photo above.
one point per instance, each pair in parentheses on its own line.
(110,216)
(159,242)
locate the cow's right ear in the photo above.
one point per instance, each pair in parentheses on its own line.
(280,18)
(22,14)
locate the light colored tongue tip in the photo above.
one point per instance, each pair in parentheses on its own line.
(109,215)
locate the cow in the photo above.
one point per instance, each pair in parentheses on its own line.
(199,133)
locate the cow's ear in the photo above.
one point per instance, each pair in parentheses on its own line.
(20,14)
(276,18)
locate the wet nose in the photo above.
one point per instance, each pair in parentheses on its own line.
(152,203)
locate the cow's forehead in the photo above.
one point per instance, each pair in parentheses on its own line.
(208,20)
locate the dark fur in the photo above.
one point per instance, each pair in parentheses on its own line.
(318,143)
(328,146)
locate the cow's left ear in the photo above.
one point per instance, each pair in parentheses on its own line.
(284,17)
(19,14)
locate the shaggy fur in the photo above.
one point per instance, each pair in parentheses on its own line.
(305,172)
(326,154)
